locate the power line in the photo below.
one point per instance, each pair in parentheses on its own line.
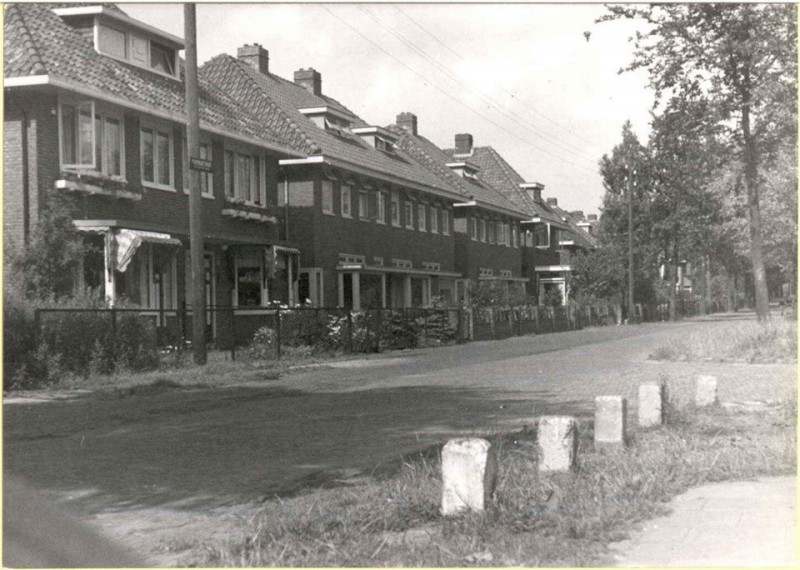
(512,95)
(444,92)
(492,104)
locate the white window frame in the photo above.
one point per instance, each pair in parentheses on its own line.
(264,293)
(258,163)
(408,207)
(363,205)
(157,128)
(434,220)
(547,235)
(346,191)
(446,217)
(209,193)
(422,217)
(473,228)
(147,64)
(514,236)
(482,230)
(380,207)
(326,190)
(77,105)
(104,115)
(395,208)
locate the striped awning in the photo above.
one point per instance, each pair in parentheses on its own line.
(128,241)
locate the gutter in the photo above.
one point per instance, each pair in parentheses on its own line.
(40,80)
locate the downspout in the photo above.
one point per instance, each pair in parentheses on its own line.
(26,198)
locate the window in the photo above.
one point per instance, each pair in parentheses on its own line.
(541,235)
(446,222)
(409,211)
(156,156)
(327,197)
(109,139)
(395,208)
(206,178)
(113,42)
(491,232)
(248,289)
(514,237)
(362,205)
(77,135)
(162,59)
(136,49)
(421,215)
(245,178)
(482,230)
(381,206)
(434,220)
(473,229)
(347,203)
(384,145)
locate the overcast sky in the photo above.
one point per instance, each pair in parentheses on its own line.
(521,78)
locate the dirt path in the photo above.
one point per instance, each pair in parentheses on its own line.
(167,470)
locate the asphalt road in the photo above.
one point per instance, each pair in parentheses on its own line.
(206,448)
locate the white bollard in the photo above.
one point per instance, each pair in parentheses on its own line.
(469,474)
(652,402)
(610,422)
(557,441)
(706,393)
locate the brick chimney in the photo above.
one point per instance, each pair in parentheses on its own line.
(577,214)
(592,217)
(552,201)
(464,143)
(407,121)
(309,79)
(256,56)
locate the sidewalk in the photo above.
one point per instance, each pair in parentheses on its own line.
(744,523)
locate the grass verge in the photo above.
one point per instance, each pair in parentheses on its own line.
(548,520)
(745,341)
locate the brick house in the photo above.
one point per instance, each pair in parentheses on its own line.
(95,117)
(375,227)
(486,223)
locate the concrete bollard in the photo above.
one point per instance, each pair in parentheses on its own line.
(652,404)
(610,422)
(557,441)
(469,474)
(706,393)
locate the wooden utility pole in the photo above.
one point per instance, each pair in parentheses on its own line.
(630,243)
(195,200)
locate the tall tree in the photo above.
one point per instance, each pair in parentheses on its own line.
(743,58)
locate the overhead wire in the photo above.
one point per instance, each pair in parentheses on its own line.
(511,94)
(450,96)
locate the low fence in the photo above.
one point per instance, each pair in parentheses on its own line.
(276,330)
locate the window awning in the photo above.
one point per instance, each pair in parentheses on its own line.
(128,241)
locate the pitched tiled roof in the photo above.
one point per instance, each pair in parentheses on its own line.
(502,176)
(435,159)
(581,237)
(268,95)
(39,42)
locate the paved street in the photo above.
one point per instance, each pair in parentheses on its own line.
(113,457)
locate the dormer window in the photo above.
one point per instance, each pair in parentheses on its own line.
(378,137)
(464,169)
(328,118)
(121,37)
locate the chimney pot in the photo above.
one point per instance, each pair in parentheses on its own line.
(408,121)
(592,217)
(577,214)
(464,143)
(256,56)
(309,79)
(552,201)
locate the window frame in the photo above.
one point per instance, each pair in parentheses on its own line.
(380,207)
(77,104)
(257,174)
(546,234)
(148,41)
(363,205)
(326,197)
(446,217)
(433,223)
(395,208)
(263,291)
(346,190)
(408,210)
(422,217)
(482,230)
(157,128)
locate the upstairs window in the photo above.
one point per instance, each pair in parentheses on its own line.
(434,220)
(384,145)
(157,157)
(473,229)
(381,208)
(491,232)
(446,222)
(409,211)
(245,178)
(362,205)
(482,230)
(327,197)
(395,208)
(541,235)
(77,135)
(347,201)
(137,49)
(422,215)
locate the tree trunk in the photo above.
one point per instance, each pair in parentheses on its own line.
(751,181)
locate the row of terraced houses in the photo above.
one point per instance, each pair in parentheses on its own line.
(306,202)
